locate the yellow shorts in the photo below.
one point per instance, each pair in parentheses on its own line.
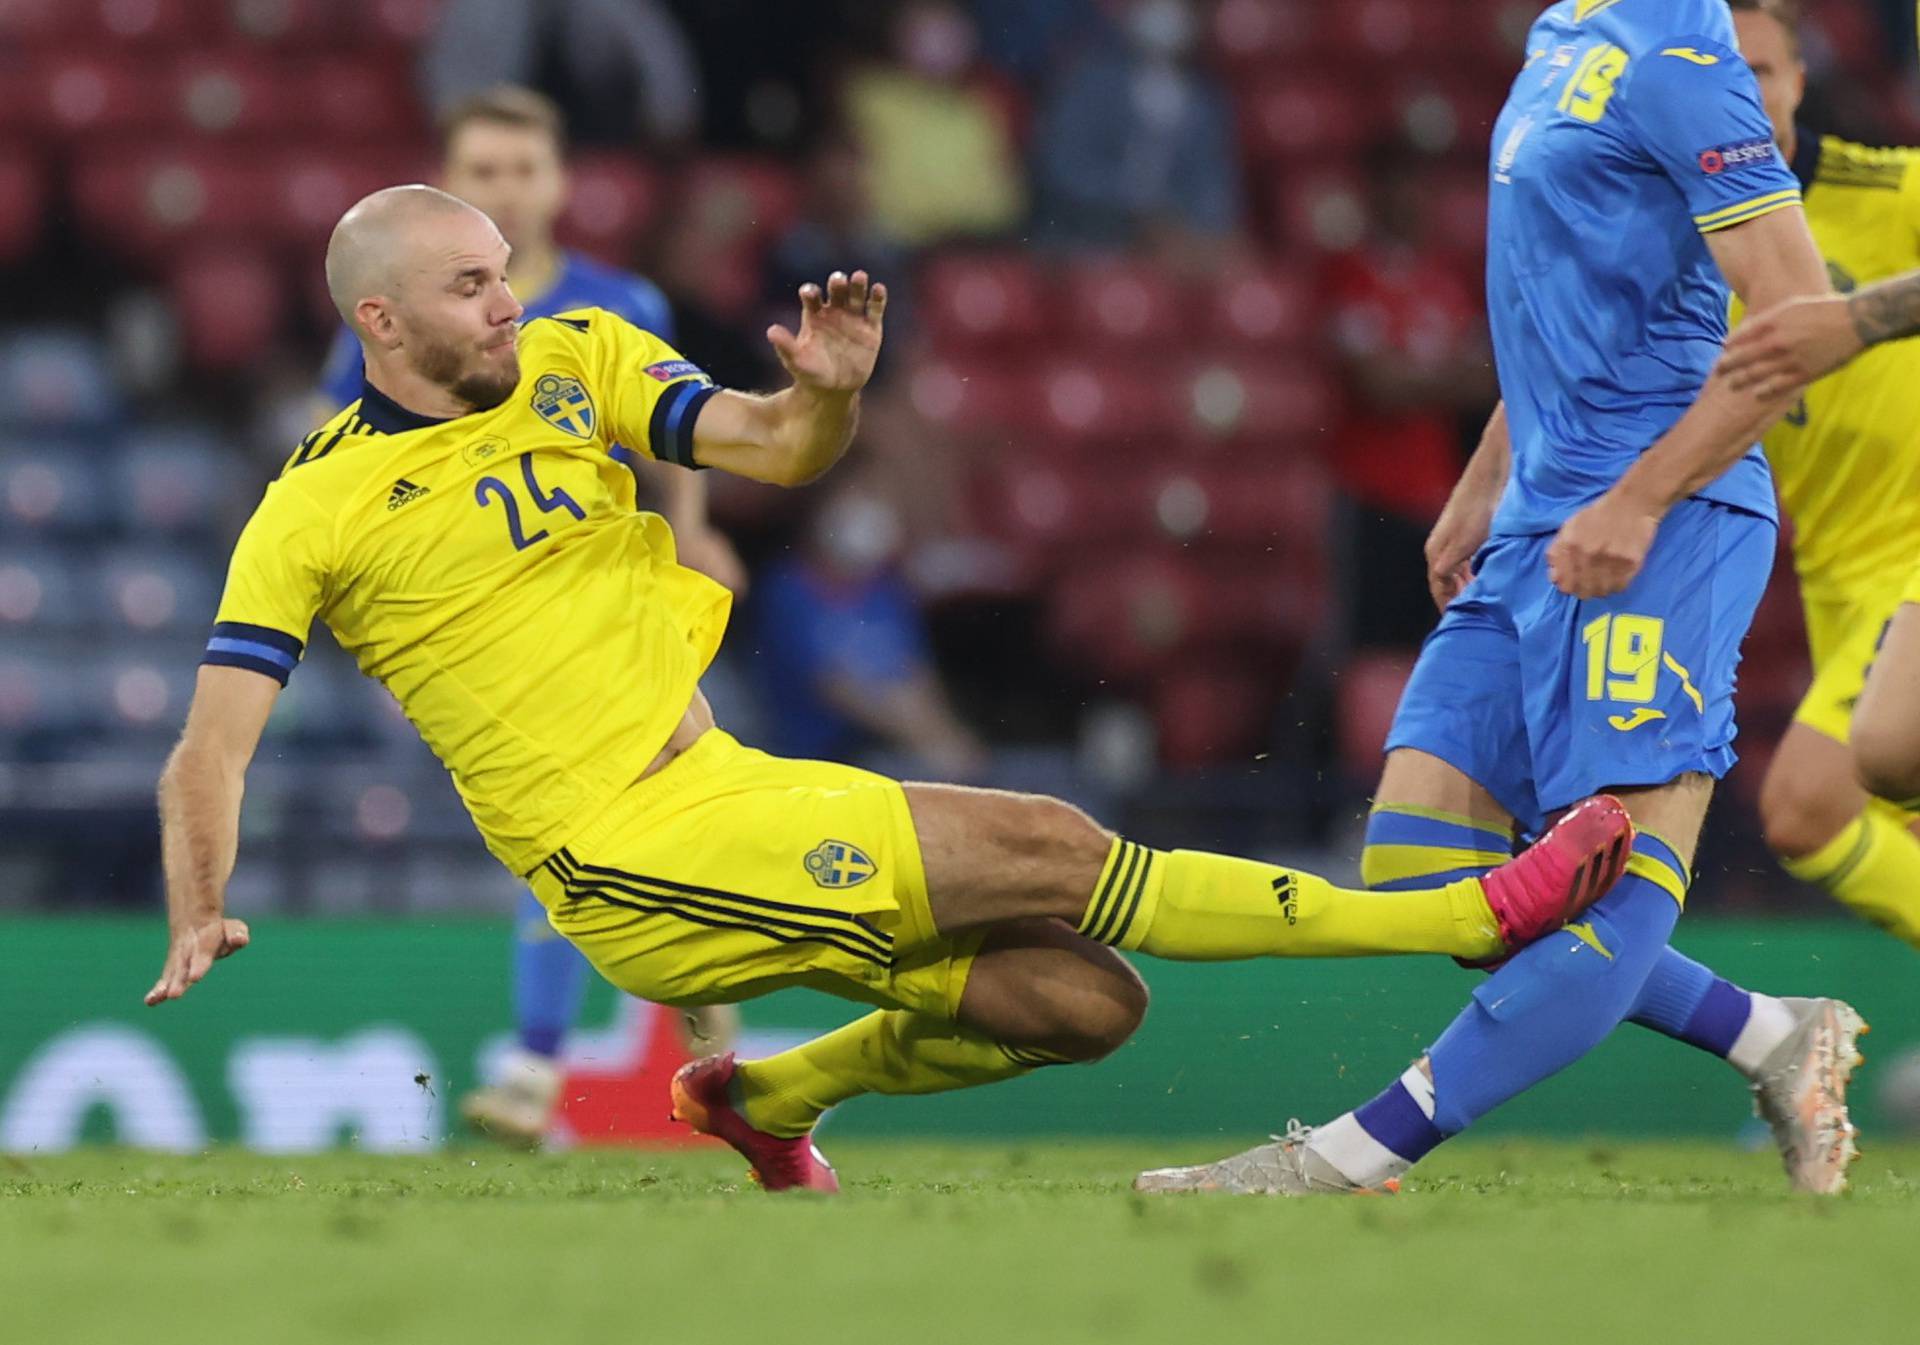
(1843,635)
(730,874)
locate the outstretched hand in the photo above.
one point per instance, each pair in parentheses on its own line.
(839,336)
(1790,345)
(191,954)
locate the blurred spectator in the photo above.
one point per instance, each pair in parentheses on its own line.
(837,231)
(1406,327)
(1029,38)
(1136,143)
(943,159)
(622,70)
(843,651)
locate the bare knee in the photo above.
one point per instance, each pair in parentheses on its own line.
(1101,1023)
(1886,768)
(991,856)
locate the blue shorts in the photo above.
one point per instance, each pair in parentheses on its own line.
(1543,699)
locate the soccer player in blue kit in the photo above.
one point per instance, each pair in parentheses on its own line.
(1598,564)
(504,151)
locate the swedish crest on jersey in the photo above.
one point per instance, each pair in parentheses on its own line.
(561,401)
(838,864)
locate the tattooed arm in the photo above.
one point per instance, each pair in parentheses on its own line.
(1795,343)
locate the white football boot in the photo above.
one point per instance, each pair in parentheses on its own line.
(1800,1090)
(1284,1166)
(518,1107)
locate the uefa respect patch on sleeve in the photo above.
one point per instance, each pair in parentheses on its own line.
(1732,158)
(668,370)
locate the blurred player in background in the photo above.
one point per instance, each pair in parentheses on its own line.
(504,151)
(463,533)
(1847,461)
(1598,565)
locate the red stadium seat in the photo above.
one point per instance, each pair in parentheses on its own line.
(1128,399)
(1459,213)
(292,24)
(1212,712)
(1253,32)
(237,92)
(973,395)
(611,204)
(23,196)
(970,299)
(229,301)
(37,23)
(357,98)
(1292,114)
(1271,307)
(1261,400)
(1121,614)
(143,23)
(1119,303)
(1397,30)
(1276,506)
(1366,695)
(144,199)
(89,96)
(400,23)
(756,197)
(1324,207)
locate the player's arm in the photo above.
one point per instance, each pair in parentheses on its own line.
(274,588)
(1464,524)
(1803,340)
(200,792)
(792,437)
(1767,261)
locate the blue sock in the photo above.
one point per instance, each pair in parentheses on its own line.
(549,979)
(1689,1003)
(1409,848)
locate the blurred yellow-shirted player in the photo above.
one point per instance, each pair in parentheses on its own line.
(1847,464)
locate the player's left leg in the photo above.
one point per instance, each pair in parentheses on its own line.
(1036,994)
(1886,722)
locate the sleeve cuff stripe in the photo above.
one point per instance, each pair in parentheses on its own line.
(266,635)
(234,659)
(1775,200)
(1753,214)
(252,649)
(676,441)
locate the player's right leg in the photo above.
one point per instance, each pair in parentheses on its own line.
(1819,822)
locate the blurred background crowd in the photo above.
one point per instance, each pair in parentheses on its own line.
(1185,353)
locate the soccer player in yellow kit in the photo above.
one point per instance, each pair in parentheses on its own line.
(464,534)
(1846,460)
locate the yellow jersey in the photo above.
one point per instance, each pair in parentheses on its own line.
(1847,458)
(492,572)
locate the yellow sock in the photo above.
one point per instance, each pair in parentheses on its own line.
(1873,865)
(1196,907)
(891,1051)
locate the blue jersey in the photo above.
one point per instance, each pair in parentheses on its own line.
(1634,129)
(581,283)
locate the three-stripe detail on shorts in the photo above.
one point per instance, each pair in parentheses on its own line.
(1111,912)
(784,922)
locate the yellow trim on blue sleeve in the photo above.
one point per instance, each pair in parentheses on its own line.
(1747,210)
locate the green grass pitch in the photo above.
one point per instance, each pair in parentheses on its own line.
(1557,1244)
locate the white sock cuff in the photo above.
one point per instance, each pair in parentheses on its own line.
(1417,1084)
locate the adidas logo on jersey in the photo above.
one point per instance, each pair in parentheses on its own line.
(404,492)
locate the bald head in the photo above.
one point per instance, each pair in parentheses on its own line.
(384,237)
